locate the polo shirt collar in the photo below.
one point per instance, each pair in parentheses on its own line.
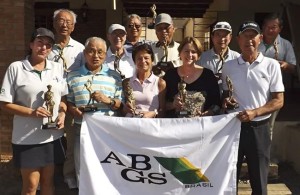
(109,53)
(172,43)
(84,71)
(29,67)
(150,79)
(259,59)
(71,43)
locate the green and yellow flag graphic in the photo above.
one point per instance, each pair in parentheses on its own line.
(183,170)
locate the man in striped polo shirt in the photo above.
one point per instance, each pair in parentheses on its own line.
(93,85)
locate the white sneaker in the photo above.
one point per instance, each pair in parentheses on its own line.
(72,183)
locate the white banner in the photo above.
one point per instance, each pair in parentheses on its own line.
(133,156)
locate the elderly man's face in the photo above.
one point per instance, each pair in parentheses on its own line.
(221,39)
(64,23)
(134,27)
(95,54)
(164,32)
(117,39)
(249,41)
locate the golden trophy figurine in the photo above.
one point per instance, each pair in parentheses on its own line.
(230,94)
(48,97)
(183,113)
(154,14)
(129,98)
(193,101)
(91,106)
(163,65)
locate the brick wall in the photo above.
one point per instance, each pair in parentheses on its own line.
(16,25)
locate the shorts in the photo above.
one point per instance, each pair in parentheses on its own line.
(38,155)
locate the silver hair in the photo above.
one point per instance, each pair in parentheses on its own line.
(133,16)
(92,39)
(65,10)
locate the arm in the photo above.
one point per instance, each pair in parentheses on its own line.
(161,98)
(62,112)
(274,104)
(113,103)
(16,109)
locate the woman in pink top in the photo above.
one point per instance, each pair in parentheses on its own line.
(147,98)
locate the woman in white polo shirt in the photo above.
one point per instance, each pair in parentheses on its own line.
(24,94)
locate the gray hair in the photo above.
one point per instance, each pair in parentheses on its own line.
(65,10)
(133,16)
(92,39)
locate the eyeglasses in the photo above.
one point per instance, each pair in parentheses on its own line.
(92,52)
(134,26)
(61,22)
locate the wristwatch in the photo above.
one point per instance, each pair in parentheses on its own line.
(112,102)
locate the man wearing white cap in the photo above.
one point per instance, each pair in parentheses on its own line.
(258,89)
(118,58)
(165,49)
(214,58)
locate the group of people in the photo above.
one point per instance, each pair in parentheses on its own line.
(91,77)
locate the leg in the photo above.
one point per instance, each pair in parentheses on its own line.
(30,179)
(77,151)
(272,122)
(69,166)
(258,158)
(47,180)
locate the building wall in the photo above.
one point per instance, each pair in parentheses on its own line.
(16,25)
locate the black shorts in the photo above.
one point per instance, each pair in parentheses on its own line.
(38,155)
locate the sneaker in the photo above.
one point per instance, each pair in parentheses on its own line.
(72,183)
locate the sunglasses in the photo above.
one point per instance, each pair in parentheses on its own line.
(134,26)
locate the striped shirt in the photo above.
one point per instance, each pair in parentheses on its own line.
(106,81)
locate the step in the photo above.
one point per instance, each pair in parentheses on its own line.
(273,171)
(273,189)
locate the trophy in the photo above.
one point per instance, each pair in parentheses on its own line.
(183,113)
(230,94)
(116,65)
(129,98)
(91,106)
(48,97)
(163,65)
(220,64)
(154,14)
(275,45)
(193,101)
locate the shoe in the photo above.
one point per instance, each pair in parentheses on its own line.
(72,183)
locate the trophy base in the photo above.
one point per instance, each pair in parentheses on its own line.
(50,126)
(184,114)
(137,115)
(90,108)
(232,107)
(161,68)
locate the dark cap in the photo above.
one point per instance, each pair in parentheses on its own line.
(43,32)
(249,25)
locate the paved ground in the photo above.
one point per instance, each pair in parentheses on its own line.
(10,181)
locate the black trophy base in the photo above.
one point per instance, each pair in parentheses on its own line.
(90,108)
(137,115)
(183,114)
(50,126)
(161,68)
(232,107)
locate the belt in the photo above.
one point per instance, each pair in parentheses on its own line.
(256,123)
